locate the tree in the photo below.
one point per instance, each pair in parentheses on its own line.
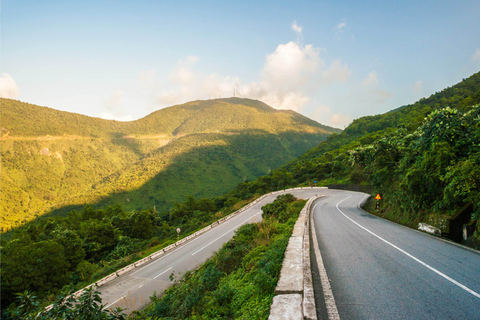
(39,267)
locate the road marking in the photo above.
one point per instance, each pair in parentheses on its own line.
(115,302)
(153,262)
(330,304)
(226,233)
(409,255)
(193,239)
(162,273)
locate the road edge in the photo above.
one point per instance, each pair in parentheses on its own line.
(330,304)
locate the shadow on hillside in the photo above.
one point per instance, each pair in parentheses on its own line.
(120,139)
(209,171)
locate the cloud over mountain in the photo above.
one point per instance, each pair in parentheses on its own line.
(8,87)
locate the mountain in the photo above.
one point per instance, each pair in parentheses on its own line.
(55,161)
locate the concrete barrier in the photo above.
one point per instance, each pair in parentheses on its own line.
(294,294)
(286,306)
(430,229)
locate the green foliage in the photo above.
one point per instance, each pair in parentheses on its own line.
(239,280)
(87,307)
(432,170)
(39,266)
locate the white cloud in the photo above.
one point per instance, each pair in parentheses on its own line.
(371,80)
(111,116)
(417,87)
(290,77)
(341,26)
(290,66)
(275,97)
(8,87)
(296,27)
(476,56)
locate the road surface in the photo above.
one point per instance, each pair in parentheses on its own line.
(381,270)
(132,290)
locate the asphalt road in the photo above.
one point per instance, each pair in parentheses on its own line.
(381,270)
(132,290)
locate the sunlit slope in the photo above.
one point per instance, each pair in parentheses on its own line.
(55,160)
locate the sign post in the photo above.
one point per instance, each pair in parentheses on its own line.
(378,198)
(315,182)
(178,233)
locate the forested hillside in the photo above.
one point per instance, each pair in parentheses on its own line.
(54,160)
(423,158)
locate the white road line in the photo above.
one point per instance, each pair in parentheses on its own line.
(330,304)
(154,261)
(409,255)
(114,302)
(162,273)
(173,250)
(225,233)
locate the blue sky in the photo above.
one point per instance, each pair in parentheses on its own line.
(332,61)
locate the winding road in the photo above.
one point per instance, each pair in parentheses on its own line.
(377,269)
(381,270)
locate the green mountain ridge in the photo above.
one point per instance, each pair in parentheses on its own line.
(234,114)
(55,160)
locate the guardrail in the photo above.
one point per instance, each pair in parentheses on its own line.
(160,252)
(294,294)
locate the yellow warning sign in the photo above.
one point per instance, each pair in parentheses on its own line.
(378,197)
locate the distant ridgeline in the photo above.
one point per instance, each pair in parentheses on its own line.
(55,161)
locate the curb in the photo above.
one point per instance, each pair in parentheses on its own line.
(294,294)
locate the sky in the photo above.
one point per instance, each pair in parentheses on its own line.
(332,61)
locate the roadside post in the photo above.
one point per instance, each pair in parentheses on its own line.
(178,233)
(378,198)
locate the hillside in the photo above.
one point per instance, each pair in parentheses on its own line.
(55,160)
(423,158)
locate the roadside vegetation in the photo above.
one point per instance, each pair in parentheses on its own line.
(87,245)
(238,282)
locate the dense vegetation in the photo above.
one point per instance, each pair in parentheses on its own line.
(70,252)
(84,246)
(239,280)
(54,160)
(430,174)
(87,307)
